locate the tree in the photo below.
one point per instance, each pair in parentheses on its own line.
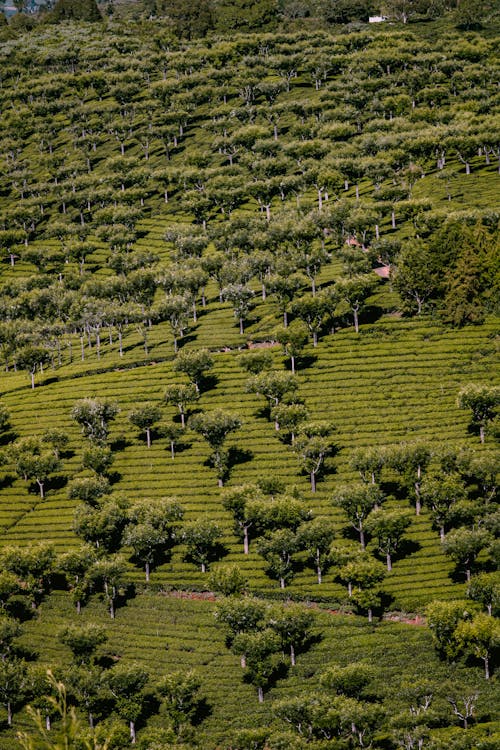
(236,501)
(363,573)
(288,418)
(273,385)
(442,619)
(33,463)
(93,415)
(293,624)
(144,418)
(293,339)
(256,360)
(97,458)
(89,489)
(240,615)
(369,462)
(77,10)
(485,588)
(202,541)
(483,401)
(388,526)
(83,641)
(181,396)
(464,545)
(179,694)
(228,580)
(32,566)
(12,685)
(239,295)
(32,358)
(358,502)
(194,363)
(441,494)
(153,529)
(350,680)
(75,565)
(312,311)
(415,277)
(277,548)
(127,683)
(316,537)
(410,461)
(102,525)
(262,658)
(480,636)
(353,293)
(110,574)
(215,427)
(313,445)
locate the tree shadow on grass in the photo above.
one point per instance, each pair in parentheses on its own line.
(8,437)
(207,382)
(237,456)
(7,481)
(120,443)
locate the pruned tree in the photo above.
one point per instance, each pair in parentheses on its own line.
(215,426)
(145,417)
(180,396)
(94,415)
(358,501)
(483,402)
(388,526)
(194,363)
(202,539)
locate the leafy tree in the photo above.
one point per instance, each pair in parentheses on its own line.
(256,360)
(10,629)
(350,680)
(32,358)
(110,574)
(33,463)
(293,338)
(441,494)
(181,396)
(288,418)
(76,10)
(88,489)
(144,418)
(464,545)
(262,658)
(362,573)
(485,588)
(13,680)
(273,385)
(75,565)
(410,461)
(277,548)
(103,525)
(414,277)
(93,415)
(179,695)
(388,526)
(83,641)
(353,293)
(32,565)
(215,426)
(195,363)
(240,615)
(358,502)
(369,462)
(480,636)
(239,295)
(236,501)
(312,311)
(315,537)
(442,619)
(293,624)
(152,529)
(313,445)
(97,458)
(202,541)
(228,580)
(127,683)
(483,402)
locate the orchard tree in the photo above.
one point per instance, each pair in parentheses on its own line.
(353,293)
(98,458)
(179,692)
(126,684)
(481,637)
(369,462)
(110,574)
(288,418)
(180,396)
(483,402)
(215,426)
(145,417)
(236,500)
(75,565)
(443,618)
(240,615)
(194,363)
(362,573)
(441,494)
(261,650)
(256,361)
(485,589)
(388,526)
(94,415)
(33,462)
(293,623)
(358,501)
(273,385)
(153,529)
(313,445)
(293,339)
(277,548)
(102,525)
(32,358)
(228,580)
(414,277)
(239,295)
(83,641)
(464,545)
(13,684)
(410,460)
(202,539)
(89,489)
(316,537)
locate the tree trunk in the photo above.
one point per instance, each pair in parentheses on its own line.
(241,327)
(362,538)
(78,607)
(245,540)
(313,481)
(481,433)
(282,583)
(147,572)
(292,655)
(441,533)
(315,339)
(132,732)
(370,615)
(48,726)
(243,661)
(183,419)
(172,450)
(486,667)
(260,693)
(285,319)
(32,379)
(203,566)
(389,561)
(91,720)
(356,321)
(40,484)
(292,362)
(467,574)
(112,609)
(9,713)
(349,588)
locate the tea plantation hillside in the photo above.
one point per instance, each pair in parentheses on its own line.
(248,407)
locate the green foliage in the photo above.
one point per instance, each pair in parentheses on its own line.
(75,10)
